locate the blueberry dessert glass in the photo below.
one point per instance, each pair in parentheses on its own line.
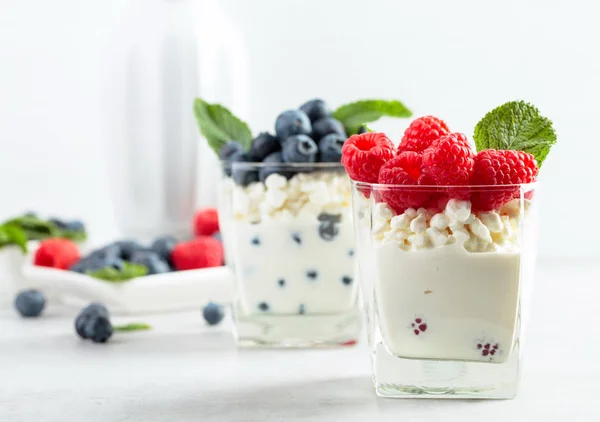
(289,238)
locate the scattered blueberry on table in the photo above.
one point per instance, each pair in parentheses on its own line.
(213,313)
(30,303)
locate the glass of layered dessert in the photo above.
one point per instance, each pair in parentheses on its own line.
(446,246)
(286,218)
(290,245)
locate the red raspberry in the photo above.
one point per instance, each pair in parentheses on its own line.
(364,154)
(206,222)
(449,160)
(201,252)
(421,133)
(405,169)
(57,253)
(500,167)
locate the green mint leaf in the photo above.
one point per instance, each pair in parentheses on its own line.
(219,125)
(12,234)
(113,275)
(516,125)
(38,229)
(134,326)
(355,114)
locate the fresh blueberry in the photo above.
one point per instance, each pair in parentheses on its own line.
(299,149)
(128,248)
(292,122)
(273,160)
(315,109)
(97,328)
(74,226)
(163,246)
(90,263)
(327,125)
(362,129)
(330,148)
(152,261)
(347,280)
(255,241)
(263,145)
(30,303)
(229,149)
(312,274)
(263,306)
(302,309)
(213,313)
(328,230)
(328,225)
(242,175)
(92,312)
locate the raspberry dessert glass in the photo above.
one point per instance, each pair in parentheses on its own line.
(445,286)
(289,240)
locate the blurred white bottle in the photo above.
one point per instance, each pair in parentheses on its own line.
(162,55)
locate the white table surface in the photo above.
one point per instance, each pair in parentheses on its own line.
(185,371)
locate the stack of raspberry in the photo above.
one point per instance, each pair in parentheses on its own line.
(436,165)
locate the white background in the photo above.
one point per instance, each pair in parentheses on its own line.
(455,59)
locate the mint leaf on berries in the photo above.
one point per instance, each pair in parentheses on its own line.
(219,125)
(353,115)
(114,275)
(134,326)
(516,125)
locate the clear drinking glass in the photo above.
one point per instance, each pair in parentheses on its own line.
(445,275)
(289,240)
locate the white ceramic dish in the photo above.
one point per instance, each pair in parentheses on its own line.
(154,293)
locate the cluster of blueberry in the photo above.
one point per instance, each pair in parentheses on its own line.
(307,135)
(156,258)
(93,323)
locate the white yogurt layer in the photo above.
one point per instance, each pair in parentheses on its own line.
(447,283)
(292,244)
(441,303)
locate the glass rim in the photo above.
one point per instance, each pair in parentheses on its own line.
(259,165)
(358,184)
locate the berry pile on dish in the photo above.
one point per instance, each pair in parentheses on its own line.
(126,259)
(436,164)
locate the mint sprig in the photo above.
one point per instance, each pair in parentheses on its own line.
(355,114)
(516,125)
(219,125)
(12,234)
(113,275)
(134,326)
(17,231)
